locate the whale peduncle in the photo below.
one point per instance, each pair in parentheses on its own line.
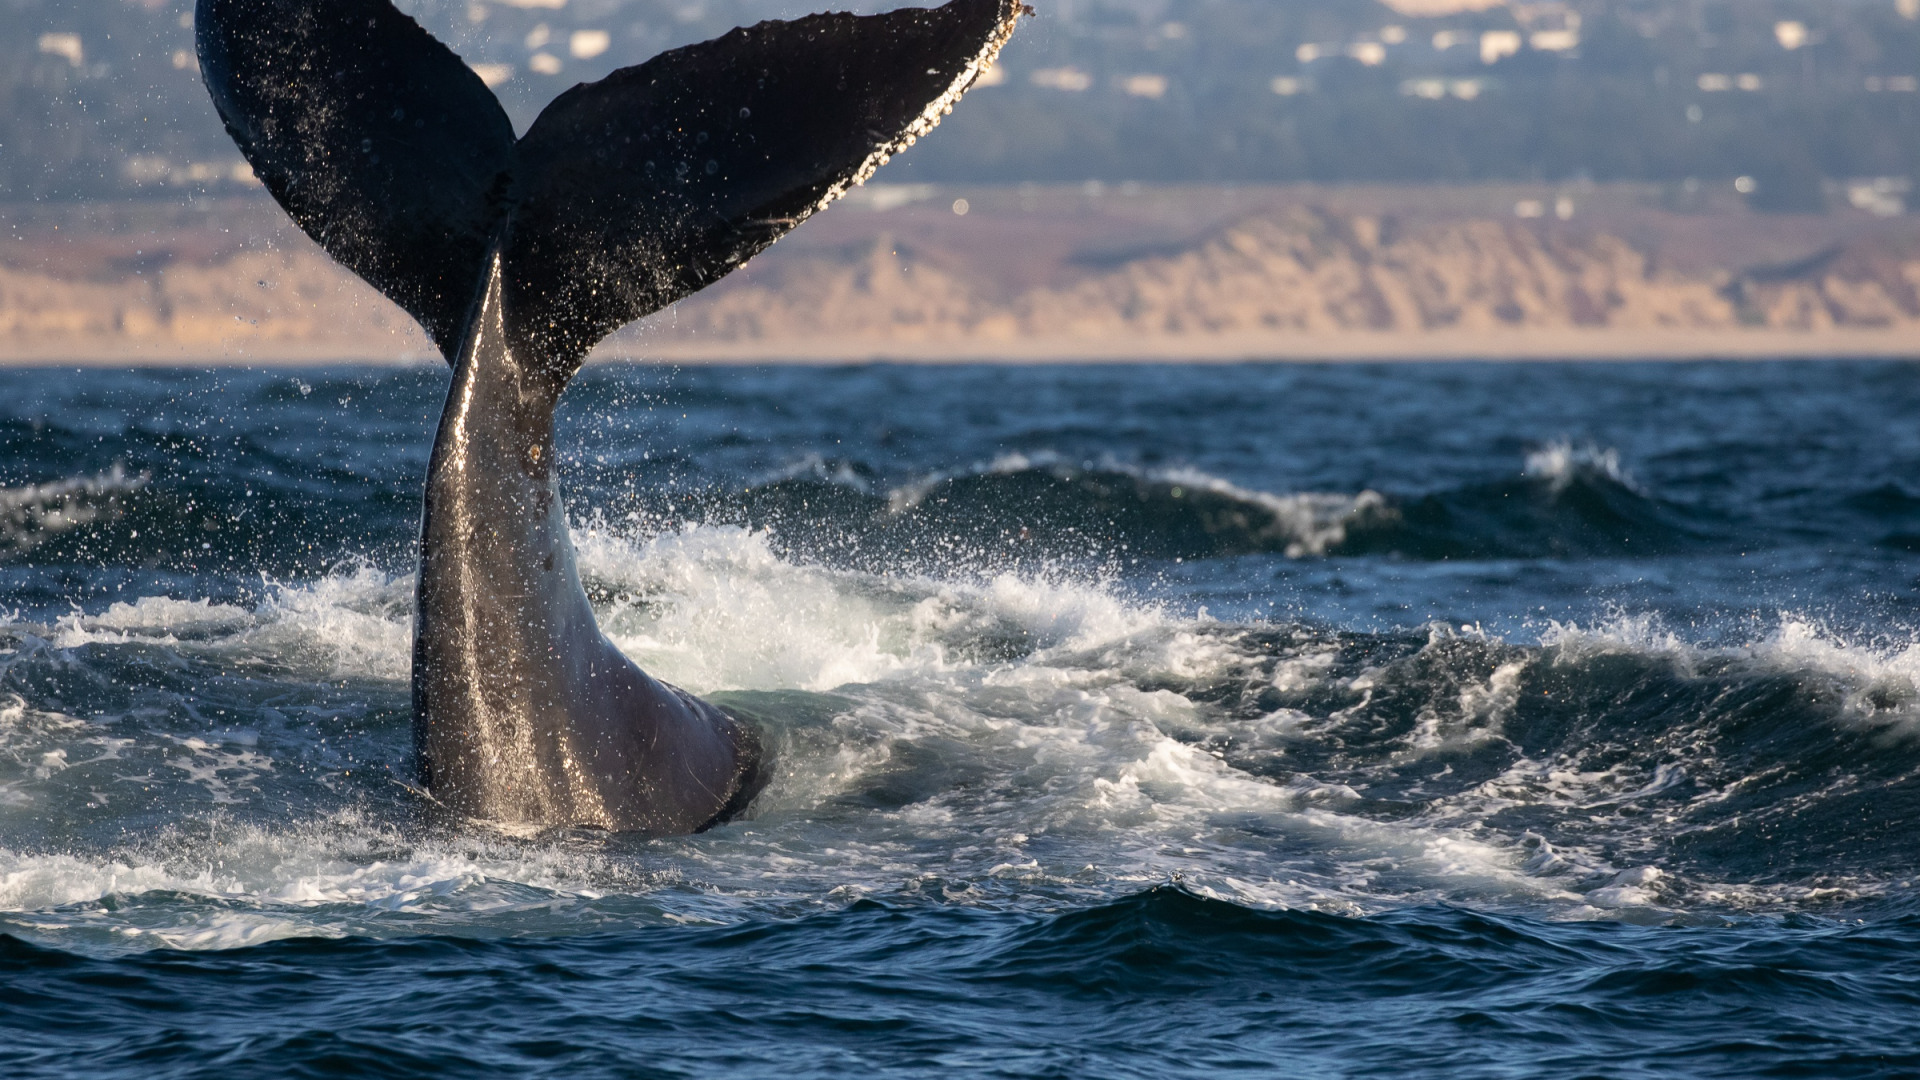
(524,711)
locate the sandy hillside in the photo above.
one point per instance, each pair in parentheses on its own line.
(1056,274)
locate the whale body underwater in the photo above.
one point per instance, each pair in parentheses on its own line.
(517,256)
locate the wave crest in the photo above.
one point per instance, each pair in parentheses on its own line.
(35,513)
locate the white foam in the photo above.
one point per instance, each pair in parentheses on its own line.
(985,735)
(1881,679)
(351,625)
(1629,888)
(1313,522)
(38,744)
(1310,523)
(1560,462)
(40,882)
(713,608)
(1063,740)
(227,930)
(323,878)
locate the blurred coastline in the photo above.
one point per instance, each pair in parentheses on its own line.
(1091,272)
(1141,179)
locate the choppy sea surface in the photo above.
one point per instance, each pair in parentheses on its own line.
(1438,720)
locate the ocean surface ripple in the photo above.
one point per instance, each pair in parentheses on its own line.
(1438,720)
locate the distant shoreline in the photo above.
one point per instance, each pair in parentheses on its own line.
(1052,275)
(1355,347)
(1437,346)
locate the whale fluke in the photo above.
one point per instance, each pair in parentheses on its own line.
(517,256)
(625,195)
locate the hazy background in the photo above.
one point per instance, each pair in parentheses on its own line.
(1469,165)
(101,98)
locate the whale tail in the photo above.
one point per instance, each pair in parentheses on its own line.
(517,256)
(625,194)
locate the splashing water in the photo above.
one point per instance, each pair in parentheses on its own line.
(1057,728)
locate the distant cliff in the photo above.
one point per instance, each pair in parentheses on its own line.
(1313,272)
(1298,280)
(270,306)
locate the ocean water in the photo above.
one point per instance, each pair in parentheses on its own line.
(1437,720)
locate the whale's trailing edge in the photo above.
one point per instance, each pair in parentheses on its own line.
(625,194)
(517,256)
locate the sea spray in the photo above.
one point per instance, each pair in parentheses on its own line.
(1605,749)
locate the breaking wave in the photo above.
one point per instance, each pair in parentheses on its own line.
(35,513)
(1568,502)
(197,773)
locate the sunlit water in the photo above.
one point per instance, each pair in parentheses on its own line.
(1457,720)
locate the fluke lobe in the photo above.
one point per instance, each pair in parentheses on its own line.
(517,256)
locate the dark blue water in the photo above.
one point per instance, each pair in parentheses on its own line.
(1462,720)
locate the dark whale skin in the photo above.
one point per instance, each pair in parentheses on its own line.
(523,711)
(517,256)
